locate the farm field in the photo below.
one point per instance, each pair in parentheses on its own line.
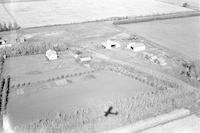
(5,17)
(76,96)
(87,91)
(180,35)
(11,1)
(69,34)
(52,12)
(36,68)
(194,4)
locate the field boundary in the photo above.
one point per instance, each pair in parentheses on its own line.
(128,20)
(123,20)
(151,122)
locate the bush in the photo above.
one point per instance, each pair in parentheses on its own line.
(18,85)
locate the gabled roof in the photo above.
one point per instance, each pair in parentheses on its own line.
(108,43)
(50,52)
(136,44)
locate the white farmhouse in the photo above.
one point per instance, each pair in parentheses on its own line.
(51,54)
(109,44)
(136,46)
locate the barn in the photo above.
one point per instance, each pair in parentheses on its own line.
(109,44)
(136,46)
(51,54)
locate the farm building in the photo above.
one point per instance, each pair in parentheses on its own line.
(136,46)
(51,54)
(85,59)
(2,41)
(162,61)
(109,44)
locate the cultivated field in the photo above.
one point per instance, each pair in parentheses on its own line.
(194,4)
(180,35)
(87,91)
(5,17)
(51,12)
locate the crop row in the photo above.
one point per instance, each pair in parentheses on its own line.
(127,20)
(5,90)
(4,95)
(53,78)
(137,75)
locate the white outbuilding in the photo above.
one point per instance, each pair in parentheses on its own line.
(85,59)
(2,41)
(109,44)
(136,46)
(51,54)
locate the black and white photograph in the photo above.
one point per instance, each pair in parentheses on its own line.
(99,66)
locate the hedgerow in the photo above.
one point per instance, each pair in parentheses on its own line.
(32,48)
(9,26)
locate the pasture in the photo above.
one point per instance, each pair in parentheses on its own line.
(52,12)
(180,35)
(36,68)
(82,92)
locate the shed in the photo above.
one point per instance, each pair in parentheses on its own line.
(136,46)
(51,54)
(85,59)
(2,41)
(109,44)
(162,61)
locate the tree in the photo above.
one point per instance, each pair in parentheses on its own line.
(10,27)
(16,26)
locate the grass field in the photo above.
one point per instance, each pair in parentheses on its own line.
(37,68)
(194,4)
(12,1)
(51,12)
(180,35)
(85,91)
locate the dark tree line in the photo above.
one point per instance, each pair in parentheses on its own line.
(9,26)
